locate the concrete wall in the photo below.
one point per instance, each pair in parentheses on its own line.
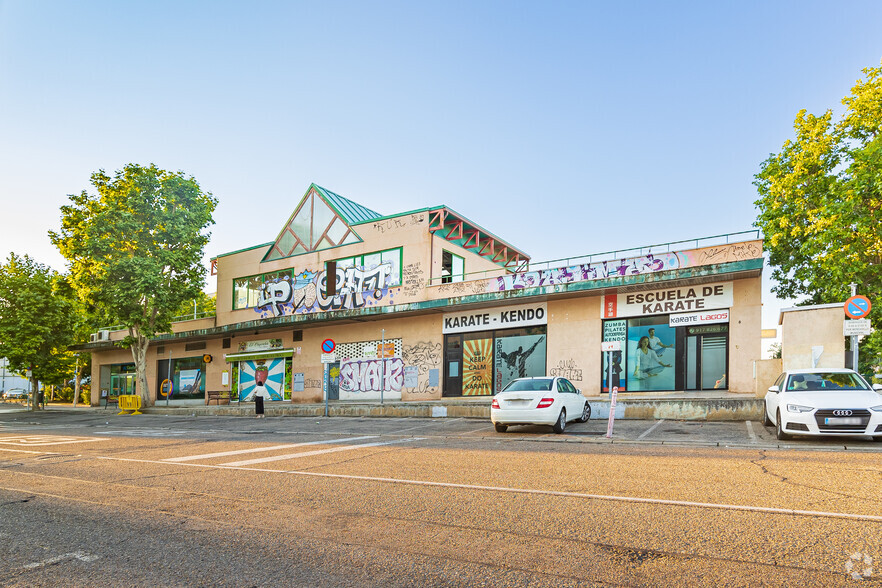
(803,329)
(745,325)
(767,371)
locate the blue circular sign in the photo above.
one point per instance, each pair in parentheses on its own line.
(858,307)
(328,345)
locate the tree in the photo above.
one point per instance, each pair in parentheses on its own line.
(135,251)
(201,306)
(820,206)
(37,321)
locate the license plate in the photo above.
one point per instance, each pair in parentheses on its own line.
(842,421)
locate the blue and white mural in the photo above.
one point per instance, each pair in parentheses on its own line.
(268,374)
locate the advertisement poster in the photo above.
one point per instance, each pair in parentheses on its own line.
(519,357)
(267,374)
(651,358)
(477,367)
(189,381)
(615,331)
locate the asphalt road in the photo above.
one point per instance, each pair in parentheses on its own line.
(90,498)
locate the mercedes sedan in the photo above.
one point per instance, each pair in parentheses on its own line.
(539,401)
(824,402)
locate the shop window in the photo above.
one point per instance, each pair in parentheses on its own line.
(651,354)
(452,267)
(246,291)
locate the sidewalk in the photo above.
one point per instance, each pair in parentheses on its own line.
(701,406)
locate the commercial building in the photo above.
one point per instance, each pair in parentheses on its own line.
(349,304)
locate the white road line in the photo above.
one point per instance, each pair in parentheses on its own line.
(26,451)
(32,440)
(80,555)
(650,429)
(316,452)
(260,449)
(750,432)
(498,489)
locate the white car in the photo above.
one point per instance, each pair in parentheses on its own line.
(824,402)
(16,394)
(539,401)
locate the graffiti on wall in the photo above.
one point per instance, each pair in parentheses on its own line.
(368,375)
(424,355)
(631,266)
(412,279)
(567,368)
(723,254)
(307,292)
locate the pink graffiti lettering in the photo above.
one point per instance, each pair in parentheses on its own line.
(365,375)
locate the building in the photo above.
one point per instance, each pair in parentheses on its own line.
(349,304)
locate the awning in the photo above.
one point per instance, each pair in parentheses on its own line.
(268,354)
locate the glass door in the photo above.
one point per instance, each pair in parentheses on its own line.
(452,366)
(121,384)
(706,361)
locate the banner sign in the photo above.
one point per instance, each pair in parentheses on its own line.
(669,301)
(699,318)
(507,317)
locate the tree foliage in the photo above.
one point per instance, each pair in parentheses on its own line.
(38,319)
(820,204)
(135,250)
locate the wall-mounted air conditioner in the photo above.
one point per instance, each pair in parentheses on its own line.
(93,337)
(103,335)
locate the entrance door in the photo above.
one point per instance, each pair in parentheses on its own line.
(453,366)
(334,381)
(706,361)
(122,384)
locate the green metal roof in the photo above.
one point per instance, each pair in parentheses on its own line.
(352,212)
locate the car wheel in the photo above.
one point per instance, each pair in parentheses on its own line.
(586,413)
(779,429)
(501,428)
(767,422)
(561,423)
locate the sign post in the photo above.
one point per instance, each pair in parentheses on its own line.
(856,307)
(610,347)
(328,357)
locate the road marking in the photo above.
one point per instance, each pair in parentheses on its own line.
(26,451)
(650,429)
(259,449)
(498,489)
(80,555)
(750,432)
(316,452)
(32,440)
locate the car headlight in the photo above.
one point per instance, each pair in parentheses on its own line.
(799,408)
(876,408)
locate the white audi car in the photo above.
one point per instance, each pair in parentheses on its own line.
(824,402)
(539,401)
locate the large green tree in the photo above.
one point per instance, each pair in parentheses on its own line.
(820,206)
(135,250)
(37,321)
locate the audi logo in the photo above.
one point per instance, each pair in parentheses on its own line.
(842,413)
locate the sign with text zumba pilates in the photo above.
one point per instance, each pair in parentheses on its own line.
(668,301)
(485,319)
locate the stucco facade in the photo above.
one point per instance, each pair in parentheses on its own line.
(460,311)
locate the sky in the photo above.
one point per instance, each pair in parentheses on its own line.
(564,128)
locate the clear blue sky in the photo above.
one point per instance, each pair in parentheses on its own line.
(565,128)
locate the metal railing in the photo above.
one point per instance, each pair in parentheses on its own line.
(724,239)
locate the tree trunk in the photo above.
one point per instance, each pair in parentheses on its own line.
(139,354)
(32,400)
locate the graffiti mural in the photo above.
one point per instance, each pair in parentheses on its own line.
(360,378)
(587,271)
(424,355)
(307,293)
(263,373)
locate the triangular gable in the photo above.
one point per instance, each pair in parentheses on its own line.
(321,221)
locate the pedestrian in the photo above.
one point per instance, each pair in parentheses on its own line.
(259,396)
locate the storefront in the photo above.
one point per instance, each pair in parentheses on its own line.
(181,378)
(263,367)
(484,350)
(662,348)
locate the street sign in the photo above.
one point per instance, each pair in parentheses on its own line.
(857,307)
(328,345)
(856,327)
(329,357)
(611,346)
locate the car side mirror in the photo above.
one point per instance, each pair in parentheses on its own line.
(774,389)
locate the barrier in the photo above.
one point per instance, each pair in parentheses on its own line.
(129,402)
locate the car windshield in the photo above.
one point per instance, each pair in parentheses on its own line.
(540,384)
(825,381)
